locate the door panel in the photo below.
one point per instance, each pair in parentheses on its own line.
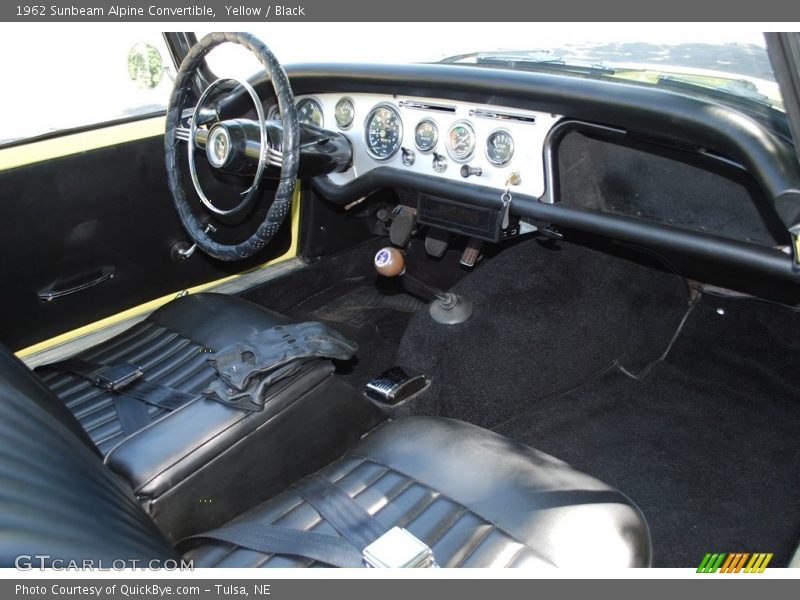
(71,220)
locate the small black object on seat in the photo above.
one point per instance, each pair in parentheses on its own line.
(129,391)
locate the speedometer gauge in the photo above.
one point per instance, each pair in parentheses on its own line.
(499,147)
(383,132)
(309,112)
(460,141)
(344,113)
(426,135)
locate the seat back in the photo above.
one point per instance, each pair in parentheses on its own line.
(17,381)
(56,497)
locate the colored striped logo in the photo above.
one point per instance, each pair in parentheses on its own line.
(735,562)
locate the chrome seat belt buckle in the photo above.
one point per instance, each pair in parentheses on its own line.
(398,549)
(116,377)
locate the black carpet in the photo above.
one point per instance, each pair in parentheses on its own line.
(706,444)
(705,441)
(546,318)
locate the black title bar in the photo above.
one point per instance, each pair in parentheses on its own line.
(222,11)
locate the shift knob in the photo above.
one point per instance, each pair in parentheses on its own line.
(389,262)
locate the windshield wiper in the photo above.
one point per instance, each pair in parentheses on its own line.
(732,89)
(529,61)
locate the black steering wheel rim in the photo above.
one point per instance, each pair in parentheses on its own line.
(290,147)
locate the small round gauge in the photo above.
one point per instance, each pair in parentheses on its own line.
(273,114)
(461,141)
(499,147)
(426,135)
(383,131)
(309,112)
(344,113)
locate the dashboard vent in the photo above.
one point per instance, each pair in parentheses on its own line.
(427,106)
(501,116)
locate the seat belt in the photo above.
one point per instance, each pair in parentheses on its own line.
(274,539)
(130,392)
(361,533)
(341,511)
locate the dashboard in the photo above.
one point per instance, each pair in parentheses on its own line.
(493,146)
(674,173)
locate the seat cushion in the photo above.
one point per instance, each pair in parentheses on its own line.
(172,346)
(476,498)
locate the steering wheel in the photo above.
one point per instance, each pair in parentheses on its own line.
(219,139)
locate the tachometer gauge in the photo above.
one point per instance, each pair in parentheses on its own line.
(499,147)
(309,112)
(460,141)
(344,113)
(383,131)
(426,135)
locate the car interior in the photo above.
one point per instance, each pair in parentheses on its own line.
(460,316)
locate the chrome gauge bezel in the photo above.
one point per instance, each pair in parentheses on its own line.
(435,135)
(318,105)
(352,104)
(458,157)
(486,147)
(370,115)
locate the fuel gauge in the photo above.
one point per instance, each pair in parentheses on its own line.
(426,135)
(499,147)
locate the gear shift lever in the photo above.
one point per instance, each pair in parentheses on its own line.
(445,307)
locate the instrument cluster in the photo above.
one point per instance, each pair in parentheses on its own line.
(486,144)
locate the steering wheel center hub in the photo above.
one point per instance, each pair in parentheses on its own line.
(218,148)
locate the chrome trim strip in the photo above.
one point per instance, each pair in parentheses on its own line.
(502,116)
(427,106)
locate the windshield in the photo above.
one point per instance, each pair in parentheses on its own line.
(728,59)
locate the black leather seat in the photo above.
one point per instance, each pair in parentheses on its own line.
(184,466)
(476,498)
(172,346)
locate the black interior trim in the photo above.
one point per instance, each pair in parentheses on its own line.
(784,52)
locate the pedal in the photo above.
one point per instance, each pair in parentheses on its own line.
(396,385)
(437,242)
(472,252)
(402,226)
